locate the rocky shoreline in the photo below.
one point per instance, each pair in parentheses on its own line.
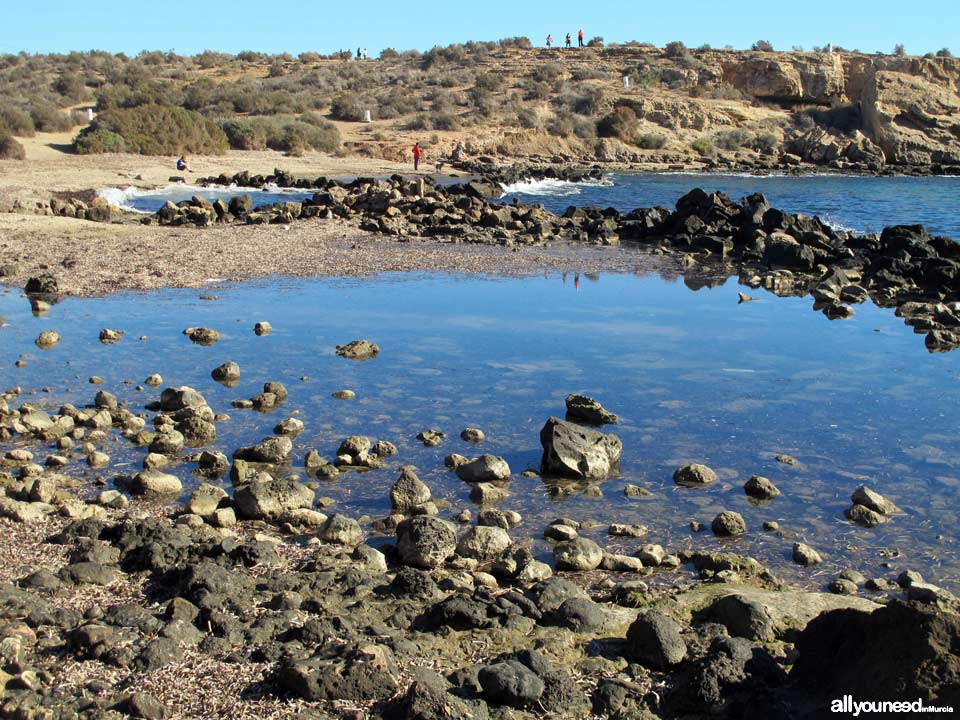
(902,267)
(262,602)
(250,597)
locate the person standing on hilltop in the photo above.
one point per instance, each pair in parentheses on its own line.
(568,39)
(580,38)
(549,40)
(417,152)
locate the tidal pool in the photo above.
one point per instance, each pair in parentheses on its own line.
(694,377)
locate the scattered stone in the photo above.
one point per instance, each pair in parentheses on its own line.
(408,492)
(229,372)
(761,488)
(474,435)
(623,530)
(785,459)
(483,543)
(426,542)
(268,499)
(431,437)
(728,523)
(202,335)
(263,328)
(358,350)
(341,530)
(154,482)
(635,491)
(695,475)
(484,469)
(110,337)
(651,555)
(48,339)
(344,394)
(805,555)
(579,554)
(510,683)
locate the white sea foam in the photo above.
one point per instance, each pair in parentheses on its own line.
(124,197)
(552,187)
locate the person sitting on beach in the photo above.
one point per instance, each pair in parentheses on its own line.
(183,165)
(457,154)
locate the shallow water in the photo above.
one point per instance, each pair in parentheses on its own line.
(694,376)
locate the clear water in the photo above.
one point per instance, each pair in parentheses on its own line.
(693,375)
(864,204)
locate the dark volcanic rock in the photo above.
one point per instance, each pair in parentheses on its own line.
(365,673)
(903,651)
(510,683)
(654,640)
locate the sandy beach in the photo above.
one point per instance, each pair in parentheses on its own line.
(94,258)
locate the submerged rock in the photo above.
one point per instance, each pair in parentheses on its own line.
(728,524)
(486,468)
(202,335)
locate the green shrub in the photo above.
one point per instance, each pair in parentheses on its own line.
(596,42)
(585,129)
(71,86)
(389,54)
(445,121)
(16,122)
(944,53)
(94,142)
(10,149)
(48,118)
(732,139)
(346,107)
(548,72)
(765,142)
(724,91)
(158,130)
(899,50)
(521,43)
(561,125)
(245,134)
(651,141)
(621,123)
(675,49)
(702,145)
(590,102)
(763,46)
(491,82)
(528,118)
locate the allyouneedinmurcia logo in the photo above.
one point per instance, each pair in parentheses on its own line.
(848,705)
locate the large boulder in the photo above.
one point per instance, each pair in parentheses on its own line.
(267,499)
(510,683)
(574,451)
(900,652)
(426,542)
(154,482)
(654,640)
(358,350)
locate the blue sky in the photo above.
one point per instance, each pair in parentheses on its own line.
(325,26)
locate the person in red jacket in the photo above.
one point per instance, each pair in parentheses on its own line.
(580,38)
(417,152)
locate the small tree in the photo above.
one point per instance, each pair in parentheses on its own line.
(596,42)
(944,52)
(763,46)
(899,50)
(675,49)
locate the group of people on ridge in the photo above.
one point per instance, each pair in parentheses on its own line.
(567,40)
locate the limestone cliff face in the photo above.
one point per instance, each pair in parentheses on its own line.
(909,106)
(793,78)
(914,118)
